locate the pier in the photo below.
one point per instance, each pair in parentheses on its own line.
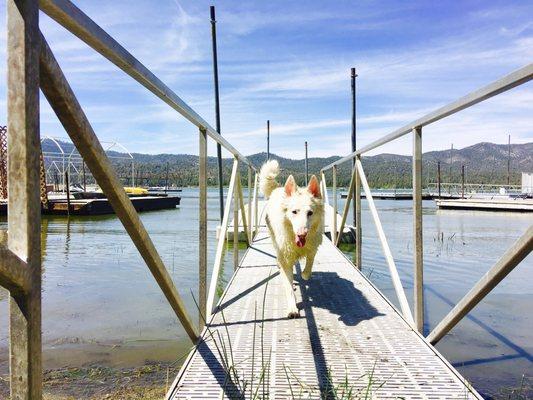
(346,327)
(348,335)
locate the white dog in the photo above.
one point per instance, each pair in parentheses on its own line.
(295,219)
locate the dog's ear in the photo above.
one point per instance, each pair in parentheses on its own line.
(314,187)
(290,186)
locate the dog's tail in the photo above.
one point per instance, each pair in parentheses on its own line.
(267,177)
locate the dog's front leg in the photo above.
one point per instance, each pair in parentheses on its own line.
(287,278)
(309,260)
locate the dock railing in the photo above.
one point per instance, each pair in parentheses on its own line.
(32,66)
(512,257)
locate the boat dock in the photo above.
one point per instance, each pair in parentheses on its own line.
(349,337)
(102,206)
(347,330)
(405,195)
(487,204)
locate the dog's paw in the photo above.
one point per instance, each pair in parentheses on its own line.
(293,314)
(306,274)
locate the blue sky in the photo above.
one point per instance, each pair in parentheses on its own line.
(289,62)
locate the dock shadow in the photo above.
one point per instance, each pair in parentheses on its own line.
(327,290)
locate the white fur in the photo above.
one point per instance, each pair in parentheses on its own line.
(287,213)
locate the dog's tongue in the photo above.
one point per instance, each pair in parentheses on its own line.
(300,241)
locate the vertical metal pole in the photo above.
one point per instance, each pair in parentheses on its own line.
(306,166)
(166,179)
(450,178)
(438,177)
(354,126)
(418,231)
(509,163)
(202,229)
(462,181)
(256,204)
(84,178)
(24,217)
(268,139)
(358,227)
(250,172)
(236,226)
(217,111)
(67,184)
(334,193)
(132,174)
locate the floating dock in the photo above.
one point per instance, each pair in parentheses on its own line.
(96,206)
(405,196)
(347,332)
(488,204)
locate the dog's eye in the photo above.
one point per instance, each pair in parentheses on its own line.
(295,211)
(309,213)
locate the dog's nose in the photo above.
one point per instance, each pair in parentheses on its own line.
(302,232)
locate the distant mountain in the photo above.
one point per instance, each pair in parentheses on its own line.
(484,163)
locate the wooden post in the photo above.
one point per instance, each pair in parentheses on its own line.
(358,220)
(334,193)
(418,283)
(24,217)
(65,105)
(202,229)
(511,258)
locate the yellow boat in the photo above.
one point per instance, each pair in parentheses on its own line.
(135,190)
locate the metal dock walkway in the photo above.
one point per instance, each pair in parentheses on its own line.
(347,330)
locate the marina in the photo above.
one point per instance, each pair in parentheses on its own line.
(350,336)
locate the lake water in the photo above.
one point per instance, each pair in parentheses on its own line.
(102,306)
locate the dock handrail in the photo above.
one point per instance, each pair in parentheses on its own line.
(33,66)
(499,271)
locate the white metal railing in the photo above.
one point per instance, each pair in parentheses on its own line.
(32,66)
(508,261)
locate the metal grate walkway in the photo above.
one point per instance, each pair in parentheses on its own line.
(347,332)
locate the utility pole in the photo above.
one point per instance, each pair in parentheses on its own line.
(509,164)
(306,166)
(217,111)
(354,144)
(268,140)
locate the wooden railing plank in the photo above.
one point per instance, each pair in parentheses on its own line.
(24,217)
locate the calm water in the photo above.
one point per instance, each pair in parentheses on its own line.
(101,305)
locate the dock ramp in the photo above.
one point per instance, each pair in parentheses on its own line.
(349,337)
